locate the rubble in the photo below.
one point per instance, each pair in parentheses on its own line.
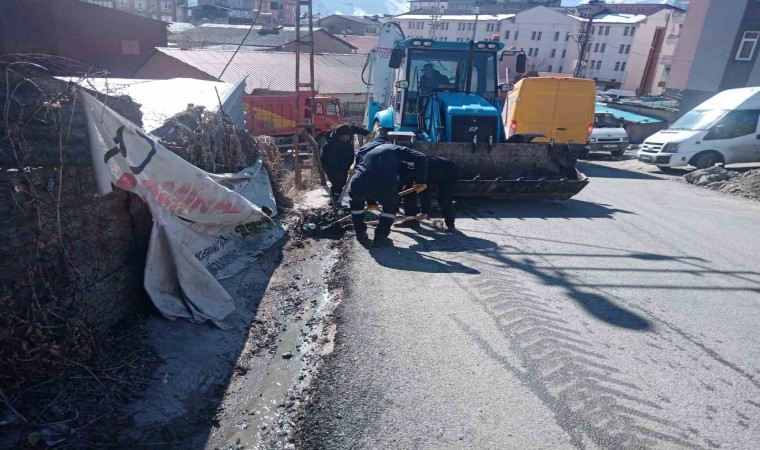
(717,178)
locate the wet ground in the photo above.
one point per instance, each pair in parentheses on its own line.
(625,317)
(231,388)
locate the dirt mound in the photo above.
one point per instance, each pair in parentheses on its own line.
(746,184)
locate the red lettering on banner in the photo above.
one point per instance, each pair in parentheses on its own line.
(127,182)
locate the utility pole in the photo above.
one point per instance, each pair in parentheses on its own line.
(476,10)
(584,37)
(435,22)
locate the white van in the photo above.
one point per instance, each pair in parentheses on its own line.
(724,129)
(608,135)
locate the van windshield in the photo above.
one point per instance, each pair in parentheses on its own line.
(699,120)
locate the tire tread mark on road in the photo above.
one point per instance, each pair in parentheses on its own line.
(574,382)
(686,336)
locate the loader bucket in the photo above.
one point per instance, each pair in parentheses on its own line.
(511,171)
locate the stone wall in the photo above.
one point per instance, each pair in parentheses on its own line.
(60,244)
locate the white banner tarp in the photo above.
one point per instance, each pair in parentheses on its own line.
(207,227)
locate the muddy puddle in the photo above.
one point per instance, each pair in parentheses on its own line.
(272,372)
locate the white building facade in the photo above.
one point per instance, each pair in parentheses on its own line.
(619,54)
(611,42)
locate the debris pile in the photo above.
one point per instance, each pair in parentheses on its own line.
(210,141)
(745,184)
(325,222)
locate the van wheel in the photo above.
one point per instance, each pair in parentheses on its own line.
(618,153)
(707,159)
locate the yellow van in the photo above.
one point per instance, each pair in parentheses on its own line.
(559,108)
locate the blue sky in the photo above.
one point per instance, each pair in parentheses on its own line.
(359,8)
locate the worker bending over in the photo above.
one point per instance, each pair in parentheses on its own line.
(376,176)
(337,157)
(442,173)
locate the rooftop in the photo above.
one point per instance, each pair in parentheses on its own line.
(266,70)
(619,18)
(410,16)
(363,44)
(216,34)
(358,19)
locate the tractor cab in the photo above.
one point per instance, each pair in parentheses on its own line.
(446,91)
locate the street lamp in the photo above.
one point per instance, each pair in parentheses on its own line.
(476,10)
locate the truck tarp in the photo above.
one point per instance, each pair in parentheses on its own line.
(206,227)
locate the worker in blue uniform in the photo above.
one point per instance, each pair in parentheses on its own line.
(376,176)
(337,157)
(443,174)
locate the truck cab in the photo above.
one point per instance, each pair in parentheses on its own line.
(275,115)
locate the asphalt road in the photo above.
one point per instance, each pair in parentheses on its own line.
(626,317)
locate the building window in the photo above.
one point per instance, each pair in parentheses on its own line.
(627,49)
(665,74)
(410,25)
(166,6)
(550,68)
(625,31)
(607,31)
(633,31)
(498,27)
(539,36)
(554,53)
(617,66)
(517,33)
(593,29)
(598,65)
(140,6)
(567,37)
(564,53)
(596,48)
(556,36)
(130,47)
(535,52)
(747,46)
(530,52)
(621,49)
(601,31)
(604,46)
(622,67)
(123,4)
(559,70)
(593,63)
(533,36)
(506,35)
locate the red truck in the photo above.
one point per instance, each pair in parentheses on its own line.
(274,115)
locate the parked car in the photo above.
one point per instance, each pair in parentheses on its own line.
(274,115)
(560,109)
(723,129)
(608,135)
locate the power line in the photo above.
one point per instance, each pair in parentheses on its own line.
(258,11)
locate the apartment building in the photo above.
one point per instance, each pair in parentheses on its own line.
(717,51)
(624,50)
(611,40)
(653,51)
(548,38)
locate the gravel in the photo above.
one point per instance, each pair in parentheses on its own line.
(745,184)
